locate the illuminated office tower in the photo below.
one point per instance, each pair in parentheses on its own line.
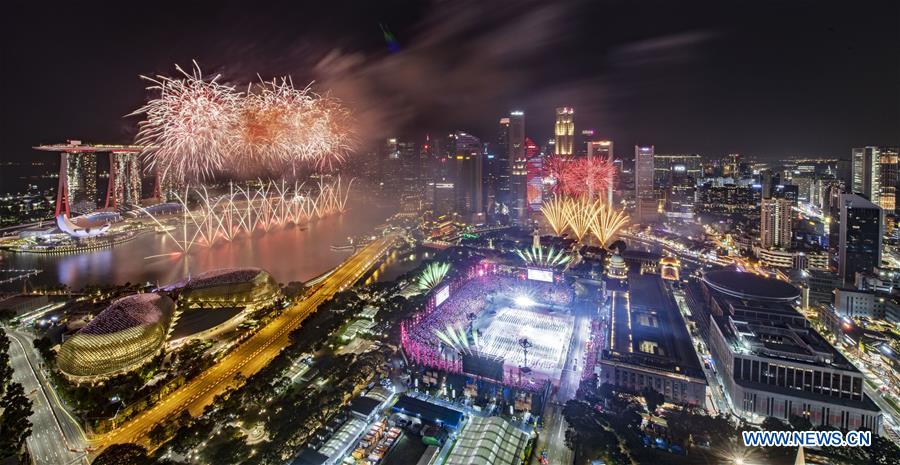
(890,179)
(503,170)
(518,170)
(647,205)
(775,223)
(865,173)
(466,154)
(564,131)
(861,230)
(603,149)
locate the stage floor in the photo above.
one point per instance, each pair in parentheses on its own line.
(548,332)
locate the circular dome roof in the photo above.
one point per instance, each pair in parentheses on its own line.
(124,336)
(129,312)
(750,286)
(226,276)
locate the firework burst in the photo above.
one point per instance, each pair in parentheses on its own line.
(244,210)
(189,127)
(537,257)
(554,211)
(607,222)
(433,275)
(580,211)
(197,128)
(580,176)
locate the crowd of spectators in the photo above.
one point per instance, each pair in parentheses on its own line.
(471,297)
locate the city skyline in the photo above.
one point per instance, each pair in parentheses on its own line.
(450,233)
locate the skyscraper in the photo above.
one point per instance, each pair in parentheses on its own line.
(890,179)
(518,171)
(125,180)
(603,149)
(643,171)
(564,131)
(502,192)
(775,223)
(82,181)
(645,196)
(466,153)
(865,173)
(861,230)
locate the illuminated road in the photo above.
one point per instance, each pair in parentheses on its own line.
(249,357)
(553,437)
(55,434)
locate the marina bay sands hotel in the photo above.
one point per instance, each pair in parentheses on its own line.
(77,191)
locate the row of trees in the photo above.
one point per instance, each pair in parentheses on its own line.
(15,407)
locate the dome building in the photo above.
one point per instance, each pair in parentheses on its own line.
(248,288)
(123,337)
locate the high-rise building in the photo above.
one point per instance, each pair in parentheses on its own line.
(890,179)
(564,131)
(518,171)
(124,180)
(861,230)
(643,171)
(865,171)
(603,149)
(82,181)
(647,205)
(535,169)
(502,190)
(732,165)
(775,223)
(466,153)
(410,167)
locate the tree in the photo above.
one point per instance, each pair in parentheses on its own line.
(123,454)
(774,424)
(653,398)
(801,423)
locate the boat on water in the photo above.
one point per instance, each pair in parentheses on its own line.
(163,228)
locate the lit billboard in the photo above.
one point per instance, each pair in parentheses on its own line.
(441,295)
(540,275)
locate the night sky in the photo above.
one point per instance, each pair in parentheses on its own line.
(762,78)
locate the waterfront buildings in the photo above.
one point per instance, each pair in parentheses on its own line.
(123,337)
(248,288)
(134,329)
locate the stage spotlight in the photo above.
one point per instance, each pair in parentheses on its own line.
(523,301)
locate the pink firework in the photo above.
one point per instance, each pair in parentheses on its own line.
(580,175)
